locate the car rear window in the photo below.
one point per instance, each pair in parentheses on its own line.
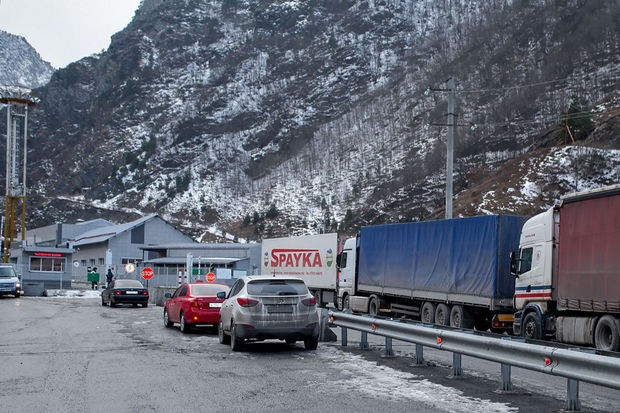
(208,289)
(277,287)
(128,284)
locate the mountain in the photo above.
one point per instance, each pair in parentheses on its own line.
(21,64)
(263,117)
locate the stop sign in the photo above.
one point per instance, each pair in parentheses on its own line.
(210,277)
(147,273)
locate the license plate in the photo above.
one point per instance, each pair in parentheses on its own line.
(215,305)
(132,292)
(279,308)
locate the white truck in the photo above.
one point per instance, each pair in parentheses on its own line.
(310,257)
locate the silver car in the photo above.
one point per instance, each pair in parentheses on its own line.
(266,307)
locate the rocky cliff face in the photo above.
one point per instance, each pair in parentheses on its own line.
(269,117)
(21,64)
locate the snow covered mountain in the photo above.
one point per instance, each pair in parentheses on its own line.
(263,117)
(21,64)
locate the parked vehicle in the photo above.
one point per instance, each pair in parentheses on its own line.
(194,305)
(10,283)
(125,292)
(311,258)
(267,307)
(568,272)
(449,272)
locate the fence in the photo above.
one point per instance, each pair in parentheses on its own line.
(572,364)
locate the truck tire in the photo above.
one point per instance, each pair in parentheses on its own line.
(373,306)
(317,297)
(442,315)
(346,302)
(427,313)
(607,334)
(460,317)
(532,327)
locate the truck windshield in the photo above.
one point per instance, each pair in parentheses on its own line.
(7,272)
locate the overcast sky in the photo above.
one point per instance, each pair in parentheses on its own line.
(63,31)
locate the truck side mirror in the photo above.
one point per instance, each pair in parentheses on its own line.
(514,265)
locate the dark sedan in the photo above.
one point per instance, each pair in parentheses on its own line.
(125,292)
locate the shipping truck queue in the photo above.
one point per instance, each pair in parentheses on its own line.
(553,276)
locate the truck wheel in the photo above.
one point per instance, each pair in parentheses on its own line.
(346,302)
(442,315)
(607,334)
(427,314)
(532,327)
(317,297)
(373,306)
(460,317)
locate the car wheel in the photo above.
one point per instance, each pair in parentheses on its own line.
(290,340)
(311,343)
(103,302)
(224,339)
(236,343)
(145,304)
(135,304)
(112,302)
(167,322)
(17,295)
(183,326)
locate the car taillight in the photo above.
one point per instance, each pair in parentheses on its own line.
(309,301)
(246,302)
(145,292)
(116,292)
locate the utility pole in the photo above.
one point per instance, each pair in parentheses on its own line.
(450,145)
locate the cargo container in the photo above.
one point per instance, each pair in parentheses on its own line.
(568,272)
(449,272)
(311,258)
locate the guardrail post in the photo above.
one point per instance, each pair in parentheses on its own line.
(389,352)
(364,341)
(572,396)
(344,336)
(506,382)
(457,370)
(419,355)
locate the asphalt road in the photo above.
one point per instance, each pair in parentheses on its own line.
(73,355)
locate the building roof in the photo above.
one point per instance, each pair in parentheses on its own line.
(98,235)
(203,260)
(35,248)
(198,246)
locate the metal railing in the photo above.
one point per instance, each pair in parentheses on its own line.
(572,364)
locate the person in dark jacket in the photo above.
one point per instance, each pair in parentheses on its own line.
(109,276)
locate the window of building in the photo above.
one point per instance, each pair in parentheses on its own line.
(100,262)
(130,261)
(137,235)
(83,263)
(92,262)
(40,264)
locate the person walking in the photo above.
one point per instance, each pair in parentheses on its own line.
(93,277)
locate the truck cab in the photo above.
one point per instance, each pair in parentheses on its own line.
(346,261)
(10,284)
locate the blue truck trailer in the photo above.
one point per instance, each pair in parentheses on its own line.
(450,272)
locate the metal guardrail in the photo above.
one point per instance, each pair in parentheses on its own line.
(572,364)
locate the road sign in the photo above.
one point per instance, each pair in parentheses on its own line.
(129,268)
(147,273)
(210,277)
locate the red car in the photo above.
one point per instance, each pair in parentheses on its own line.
(193,305)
